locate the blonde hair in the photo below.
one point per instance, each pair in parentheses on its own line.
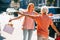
(29,5)
(44,9)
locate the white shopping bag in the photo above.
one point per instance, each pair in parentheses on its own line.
(8,28)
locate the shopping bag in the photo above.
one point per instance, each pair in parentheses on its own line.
(8,28)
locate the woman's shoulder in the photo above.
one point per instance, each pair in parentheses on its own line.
(35,12)
(25,11)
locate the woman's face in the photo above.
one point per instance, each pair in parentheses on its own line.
(31,8)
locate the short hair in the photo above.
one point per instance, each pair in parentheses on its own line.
(44,9)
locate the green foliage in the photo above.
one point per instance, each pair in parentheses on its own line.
(50,2)
(16,1)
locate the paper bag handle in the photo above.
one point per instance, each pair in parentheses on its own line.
(10,23)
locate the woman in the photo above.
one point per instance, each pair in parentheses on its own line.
(28,25)
(43,21)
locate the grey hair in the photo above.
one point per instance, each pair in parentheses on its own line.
(44,9)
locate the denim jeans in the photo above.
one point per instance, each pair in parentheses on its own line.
(27,32)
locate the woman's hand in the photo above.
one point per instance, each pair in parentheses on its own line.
(58,34)
(10,20)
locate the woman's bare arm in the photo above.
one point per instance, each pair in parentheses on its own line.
(31,16)
(15,18)
(54,27)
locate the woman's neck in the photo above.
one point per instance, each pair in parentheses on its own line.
(29,11)
(43,14)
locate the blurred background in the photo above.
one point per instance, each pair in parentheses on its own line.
(4,4)
(53,5)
